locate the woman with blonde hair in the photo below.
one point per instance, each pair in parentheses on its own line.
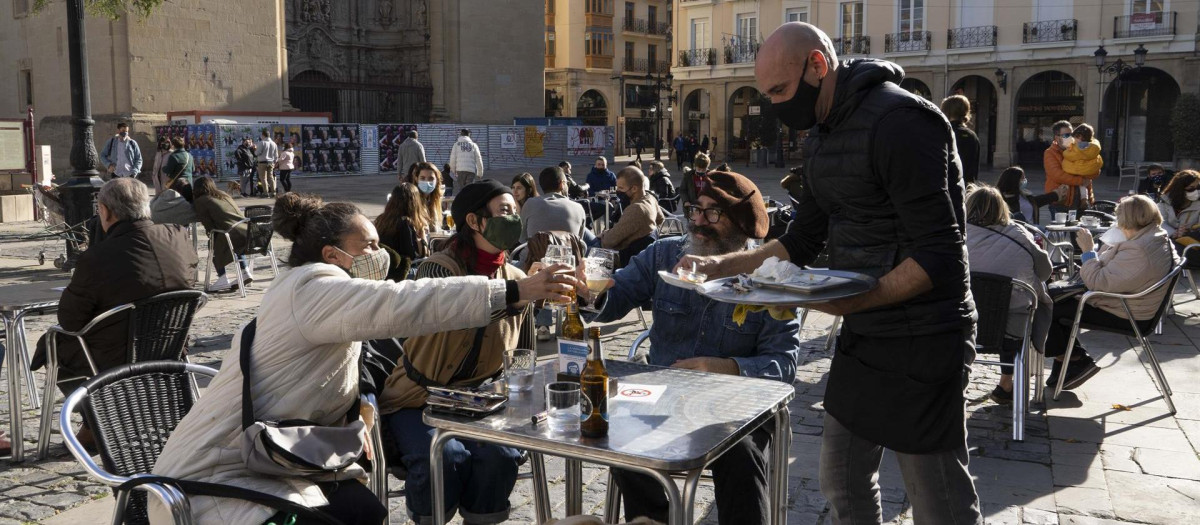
(1137,253)
(428,180)
(998,245)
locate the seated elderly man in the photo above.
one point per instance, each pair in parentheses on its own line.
(552,210)
(137,259)
(640,215)
(729,211)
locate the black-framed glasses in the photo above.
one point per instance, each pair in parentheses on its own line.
(712,215)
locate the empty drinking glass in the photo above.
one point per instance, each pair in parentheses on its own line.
(518,369)
(562,407)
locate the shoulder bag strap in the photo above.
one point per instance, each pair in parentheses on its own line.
(217,490)
(467,365)
(244,351)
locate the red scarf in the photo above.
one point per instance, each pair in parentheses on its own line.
(487,263)
(700,180)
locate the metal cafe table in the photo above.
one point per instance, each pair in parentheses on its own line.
(698,417)
(17,301)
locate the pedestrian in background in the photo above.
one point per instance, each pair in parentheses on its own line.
(180,164)
(465,159)
(285,164)
(121,155)
(268,153)
(246,163)
(161,152)
(958,110)
(410,152)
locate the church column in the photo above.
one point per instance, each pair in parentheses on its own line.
(437,58)
(282,68)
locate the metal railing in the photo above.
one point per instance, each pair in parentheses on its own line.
(968,37)
(636,25)
(1145,24)
(907,42)
(741,53)
(658,28)
(1064,30)
(852,45)
(645,65)
(697,57)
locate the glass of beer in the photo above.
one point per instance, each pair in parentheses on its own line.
(599,268)
(569,260)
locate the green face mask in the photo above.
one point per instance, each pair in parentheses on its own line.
(503,232)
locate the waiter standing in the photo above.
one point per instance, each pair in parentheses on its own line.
(882,194)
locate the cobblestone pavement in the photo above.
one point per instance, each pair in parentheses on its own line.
(1106,453)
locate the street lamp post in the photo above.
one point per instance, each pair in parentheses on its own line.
(659,84)
(78,194)
(1118,68)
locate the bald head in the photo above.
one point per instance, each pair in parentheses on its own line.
(783,55)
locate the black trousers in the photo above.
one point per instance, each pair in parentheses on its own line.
(350,502)
(739,479)
(1064,317)
(285,180)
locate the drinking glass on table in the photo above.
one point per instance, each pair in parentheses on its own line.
(562,407)
(518,369)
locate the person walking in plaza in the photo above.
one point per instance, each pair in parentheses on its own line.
(1083,158)
(305,358)
(680,147)
(1052,162)
(180,165)
(704,145)
(121,156)
(428,180)
(958,109)
(466,161)
(728,213)
(410,152)
(268,153)
(285,165)
(246,163)
(161,152)
(216,210)
(882,195)
(998,245)
(1022,203)
(479,476)
(638,146)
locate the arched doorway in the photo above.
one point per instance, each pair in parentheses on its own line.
(1044,99)
(312,91)
(917,88)
(744,127)
(695,114)
(1134,119)
(982,95)
(592,109)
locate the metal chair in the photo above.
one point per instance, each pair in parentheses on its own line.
(158,330)
(1137,328)
(993,295)
(378,480)
(672,226)
(1108,207)
(261,210)
(132,410)
(1128,172)
(259,233)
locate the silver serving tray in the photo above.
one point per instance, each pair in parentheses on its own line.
(770,294)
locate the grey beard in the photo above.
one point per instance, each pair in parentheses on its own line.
(704,247)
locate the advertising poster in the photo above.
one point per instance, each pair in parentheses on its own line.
(535,137)
(203,144)
(508,140)
(585,140)
(284,134)
(391,136)
(171,131)
(331,148)
(230,138)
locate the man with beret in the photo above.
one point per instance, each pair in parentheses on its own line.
(726,214)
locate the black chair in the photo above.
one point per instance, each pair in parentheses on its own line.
(1136,328)
(259,210)
(259,232)
(158,331)
(132,410)
(993,294)
(1108,207)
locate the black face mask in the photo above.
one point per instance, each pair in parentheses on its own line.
(800,112)
(623,198)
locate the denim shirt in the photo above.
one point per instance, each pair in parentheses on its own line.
(687,324)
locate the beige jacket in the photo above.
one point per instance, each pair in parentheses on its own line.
(1130,267)
(641,218)
(305,359)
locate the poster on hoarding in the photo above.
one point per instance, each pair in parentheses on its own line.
(391,136)
(585,140)
(330,148)
(535,138)
(230,138)
(285,134)
(508,140)
(202,143)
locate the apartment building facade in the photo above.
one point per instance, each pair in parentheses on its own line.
(1023,65)
(608,63)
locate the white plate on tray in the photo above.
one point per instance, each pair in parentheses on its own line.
(839,286)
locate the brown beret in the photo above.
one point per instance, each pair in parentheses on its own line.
(741,200)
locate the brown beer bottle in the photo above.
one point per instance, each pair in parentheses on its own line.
(572,327)
(593,384)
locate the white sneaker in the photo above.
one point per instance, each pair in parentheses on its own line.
(221,284)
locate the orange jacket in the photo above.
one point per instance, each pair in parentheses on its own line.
(1052,161)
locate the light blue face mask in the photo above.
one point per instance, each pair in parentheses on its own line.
(1024,183)
(426,186)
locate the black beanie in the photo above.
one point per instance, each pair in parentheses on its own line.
(475,196)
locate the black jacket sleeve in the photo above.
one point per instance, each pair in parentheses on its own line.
(912,157)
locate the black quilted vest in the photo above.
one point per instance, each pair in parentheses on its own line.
(865,234)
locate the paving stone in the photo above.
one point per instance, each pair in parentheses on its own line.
(1152,499)
(1069,476)
(59,500)
(1167,463)
(1001,515)
(1084,501)
(1067,519)
(24,510)
(1038,517)
(1119,458)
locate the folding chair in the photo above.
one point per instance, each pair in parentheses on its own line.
(259,234)
(1128,172)
(993,295)
(158,331)
(132,410)
(1137,328)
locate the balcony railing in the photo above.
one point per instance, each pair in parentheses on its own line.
(636,25)
(741,53)
(1145,24)
(909,42)
(697,57)
(644,65)
(1050,31)
(658,28)
(599,61)
(968,37)
(852,45)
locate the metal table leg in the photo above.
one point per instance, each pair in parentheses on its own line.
(436,475)
(34,398)
(574,478)
(690,483)
(541,493)
(781,444)
(14,390)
